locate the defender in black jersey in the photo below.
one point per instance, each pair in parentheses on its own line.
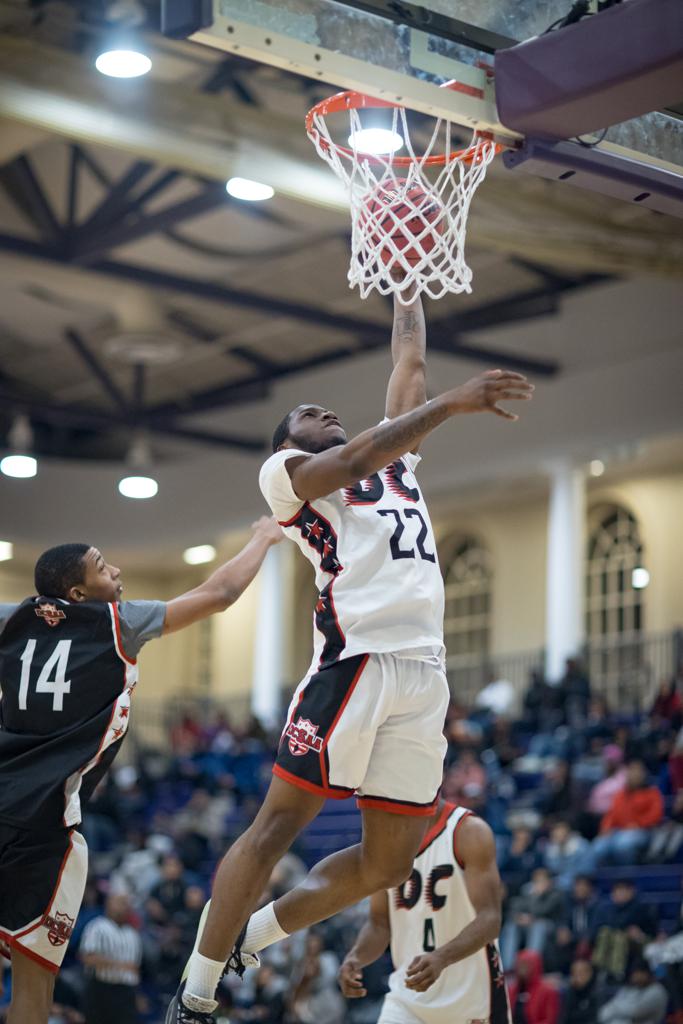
(68,669)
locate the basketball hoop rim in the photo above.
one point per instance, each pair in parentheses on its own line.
(351,100)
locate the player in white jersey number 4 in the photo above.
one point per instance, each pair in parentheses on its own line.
(368,717)
(442,925)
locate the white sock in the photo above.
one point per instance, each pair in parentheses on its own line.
(203,976)
(263,930)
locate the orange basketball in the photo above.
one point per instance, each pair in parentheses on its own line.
(403,216)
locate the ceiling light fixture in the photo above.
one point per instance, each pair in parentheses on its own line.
(6,550)
(199,554)
(123,63)
(139,484)
(379,141)
(597,467)
(138,487)
(251,191)
(20,440)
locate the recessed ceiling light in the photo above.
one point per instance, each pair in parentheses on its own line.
(252,191)
(379,141)
(6,550)
(123,64)
(138,487)
(199,554)
(20,466)
(597,467)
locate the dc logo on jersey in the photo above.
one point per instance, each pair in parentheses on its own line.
(50,613)
(303,736)
(59,928)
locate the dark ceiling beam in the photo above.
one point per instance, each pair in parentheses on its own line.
(139,386)
(72,186)
(111,206)
(98,172)
(241,298)
(42,410)
(247,355)
(93,243)
(22,186)
(109,386)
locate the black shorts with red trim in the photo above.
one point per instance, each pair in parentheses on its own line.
(42,878)
(370,725)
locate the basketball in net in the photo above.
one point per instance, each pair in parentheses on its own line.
(403,223)
(407,211)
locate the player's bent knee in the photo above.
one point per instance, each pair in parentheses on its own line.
(387,874)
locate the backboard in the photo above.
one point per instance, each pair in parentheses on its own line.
(403,52)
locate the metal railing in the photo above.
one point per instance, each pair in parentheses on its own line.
(625,670)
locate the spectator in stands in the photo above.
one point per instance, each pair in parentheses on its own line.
(667,709)
(574,934)
(622,926)
(625,829)
(168,897)
(533,1000)
(186,736)
(111,950)
(556,796)
(265,1002)
(602,795)
(598,722)
(497,698)
(541,711)
(582,910)
(315,996)
(465,773)
(564,852)
(575,690)
(642,1001)
(521,858)
(533,917)
(581,1001)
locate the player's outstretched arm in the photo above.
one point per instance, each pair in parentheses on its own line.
(477,852)
(407,385)
(314,476)
(226,584)
(373,939)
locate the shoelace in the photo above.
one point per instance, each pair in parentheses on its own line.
(234,962)
(188,1016)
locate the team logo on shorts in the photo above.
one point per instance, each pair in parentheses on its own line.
(303,736)
(59,928)
(50,613)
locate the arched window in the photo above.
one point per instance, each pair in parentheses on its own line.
(614,607)
(467,622)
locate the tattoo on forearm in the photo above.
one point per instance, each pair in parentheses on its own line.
(406,326)
(408,429)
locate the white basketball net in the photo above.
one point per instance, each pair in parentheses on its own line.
(413,218)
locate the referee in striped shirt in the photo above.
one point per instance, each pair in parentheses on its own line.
(111,950)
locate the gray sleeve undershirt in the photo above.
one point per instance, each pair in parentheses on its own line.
(140,621)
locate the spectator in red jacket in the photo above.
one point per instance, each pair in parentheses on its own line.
(532,999)
(625,829)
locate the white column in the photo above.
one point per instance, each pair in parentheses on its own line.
(269,645)
(565,567)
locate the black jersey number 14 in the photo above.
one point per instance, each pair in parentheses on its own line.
(57,686)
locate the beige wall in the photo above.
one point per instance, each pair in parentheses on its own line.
(515,532)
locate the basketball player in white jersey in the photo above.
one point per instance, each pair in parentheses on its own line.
(442,925)
(367,719)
